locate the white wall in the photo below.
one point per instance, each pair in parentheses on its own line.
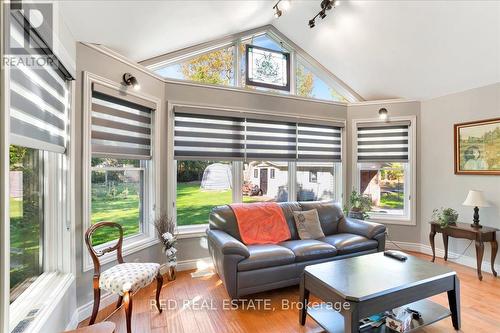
(440,187)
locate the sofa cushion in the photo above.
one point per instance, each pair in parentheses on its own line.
(310,249)
(308,225)
(329,214)
(349,243)
(266,255)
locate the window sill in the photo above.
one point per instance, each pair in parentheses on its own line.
(396,220)
(192,231)
(130,245)
(43,295)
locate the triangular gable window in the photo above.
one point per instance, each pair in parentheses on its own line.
(226,66)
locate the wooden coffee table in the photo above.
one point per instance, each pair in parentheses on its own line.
(373,283)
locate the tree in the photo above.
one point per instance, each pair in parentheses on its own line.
(215,67)
(305,82)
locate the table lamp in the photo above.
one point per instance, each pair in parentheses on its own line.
(475,199)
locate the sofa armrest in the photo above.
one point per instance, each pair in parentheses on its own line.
(227,244)
(363,228)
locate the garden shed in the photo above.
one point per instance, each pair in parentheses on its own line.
(217,177)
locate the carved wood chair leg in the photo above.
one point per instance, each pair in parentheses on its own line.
(159,283)
(119,303)
(128,311)
(95,309)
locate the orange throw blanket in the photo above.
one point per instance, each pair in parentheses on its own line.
(261,223)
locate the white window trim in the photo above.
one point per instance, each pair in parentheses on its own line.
(410,181)
(58,263)
(192,231)
(147,237)
(234,40)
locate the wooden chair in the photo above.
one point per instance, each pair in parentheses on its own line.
(122,279)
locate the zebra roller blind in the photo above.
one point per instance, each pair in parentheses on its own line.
(39,99)
(319,143)
(270,140)
(215,134)
(212,137)
(381,143)
(120,128)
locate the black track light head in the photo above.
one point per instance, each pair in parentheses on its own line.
(322,14)
(312,23)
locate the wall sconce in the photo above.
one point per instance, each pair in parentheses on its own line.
(130,80)
(383,114)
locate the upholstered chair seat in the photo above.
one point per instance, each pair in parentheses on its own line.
(128,277)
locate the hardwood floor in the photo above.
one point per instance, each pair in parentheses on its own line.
(197,307)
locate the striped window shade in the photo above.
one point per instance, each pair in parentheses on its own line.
(121,125)
(383,143)
(39,100)
(199,136)
(271,140)
(319,142)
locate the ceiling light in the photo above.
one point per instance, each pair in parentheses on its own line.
(277,12)
(130,80)
(383,114)
(322,14)
(312,23)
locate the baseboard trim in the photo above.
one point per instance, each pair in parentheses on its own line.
(84,311)
(426,249)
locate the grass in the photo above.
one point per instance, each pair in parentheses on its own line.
(194,205)
(121,208)
(392,201)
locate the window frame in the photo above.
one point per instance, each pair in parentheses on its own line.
(147,237)
(249,82)
(235,40)
(409,216)
(199,230)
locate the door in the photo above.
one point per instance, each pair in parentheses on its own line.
(263,181)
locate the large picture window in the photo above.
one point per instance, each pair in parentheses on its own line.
(225,157)
(26,176)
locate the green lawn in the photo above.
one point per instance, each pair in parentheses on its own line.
(194,205)
(392,201)
(122,209)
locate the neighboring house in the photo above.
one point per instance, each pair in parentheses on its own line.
(272,178)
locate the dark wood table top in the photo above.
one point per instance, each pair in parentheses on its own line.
(468,227)
(368,276)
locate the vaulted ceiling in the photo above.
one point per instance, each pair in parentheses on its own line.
(381,49)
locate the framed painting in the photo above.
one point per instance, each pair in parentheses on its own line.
(477,147)
(267,68)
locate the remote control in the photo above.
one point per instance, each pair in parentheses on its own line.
(396,255)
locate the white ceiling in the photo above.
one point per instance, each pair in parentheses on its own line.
(381,49)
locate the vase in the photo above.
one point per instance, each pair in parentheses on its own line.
(171,264)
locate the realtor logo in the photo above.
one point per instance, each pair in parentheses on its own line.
(30,28)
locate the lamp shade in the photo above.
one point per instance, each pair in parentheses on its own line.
(475,199)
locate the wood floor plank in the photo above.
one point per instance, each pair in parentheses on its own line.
(480,304)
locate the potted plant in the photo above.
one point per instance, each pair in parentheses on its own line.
(445,216)
(166,232)
(359,206)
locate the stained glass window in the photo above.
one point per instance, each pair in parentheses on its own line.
(267,68)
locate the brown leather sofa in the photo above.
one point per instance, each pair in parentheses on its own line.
(250,269)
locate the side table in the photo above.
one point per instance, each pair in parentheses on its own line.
(464,230)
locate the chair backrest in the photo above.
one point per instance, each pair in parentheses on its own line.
(95,254)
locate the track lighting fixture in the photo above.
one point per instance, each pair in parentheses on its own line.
(325,6)
(285,4)
(130,80)
(383,114)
